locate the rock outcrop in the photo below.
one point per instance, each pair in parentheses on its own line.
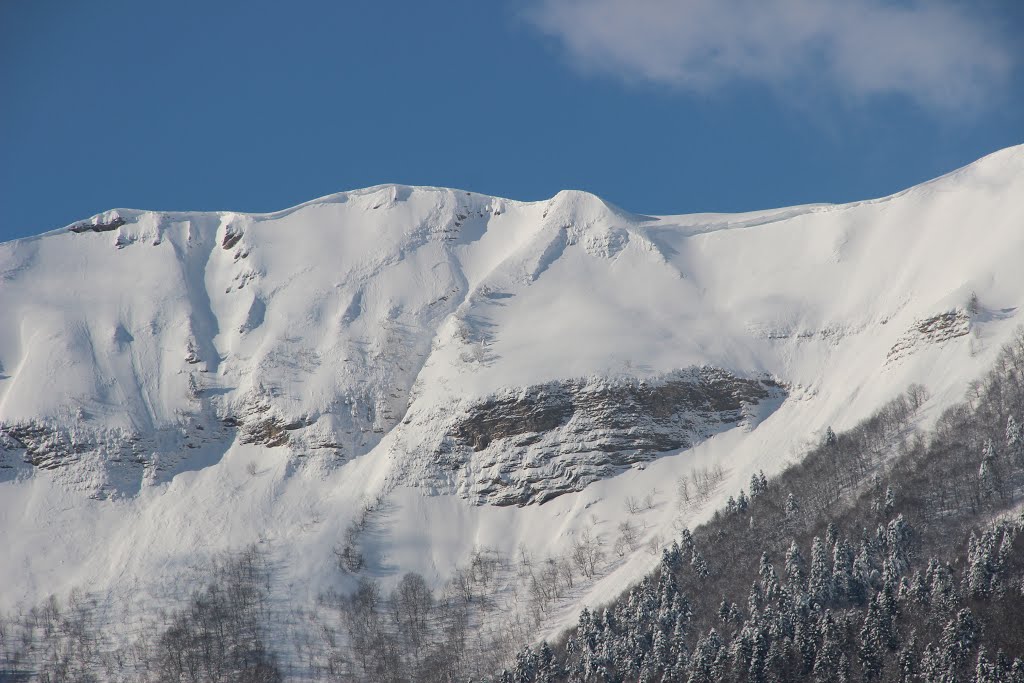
(932,330)
(533,444)
(98,226)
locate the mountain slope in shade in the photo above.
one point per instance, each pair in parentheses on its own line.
(477,371)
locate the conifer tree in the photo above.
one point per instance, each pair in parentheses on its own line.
(826,664)
(898,534)
(985,671)
(819,585)
(1014,441)
(792,508)
(842,570)
(843,676)
(870,653)
(769,580)
(958,638)
(889,504)
(758,658)
(705,656)
(860,576)
(795,567)
(755,486)
(700,567)
(803,642)
(831,534)
(989,473)
(525,666)
(907,661)
(547,667)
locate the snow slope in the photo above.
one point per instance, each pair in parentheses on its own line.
(175,384)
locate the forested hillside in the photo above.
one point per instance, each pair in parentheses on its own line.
(885,555)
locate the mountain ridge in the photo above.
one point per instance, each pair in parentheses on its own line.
(305,362)
(1001,155)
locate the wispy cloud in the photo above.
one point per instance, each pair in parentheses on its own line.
(932,51)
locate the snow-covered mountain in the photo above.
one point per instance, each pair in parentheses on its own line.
(473,371)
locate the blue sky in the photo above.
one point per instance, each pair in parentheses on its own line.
(659,106)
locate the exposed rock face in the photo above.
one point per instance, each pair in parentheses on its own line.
(231,238)
(262,428)
(534,444)
(44,447)
(108,462)
(98,226)
(934,330)
(105,462)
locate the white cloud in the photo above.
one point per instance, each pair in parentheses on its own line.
(932,51)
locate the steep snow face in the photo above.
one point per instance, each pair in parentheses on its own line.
(172,384)
(157,332)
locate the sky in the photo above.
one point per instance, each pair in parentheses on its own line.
(658,106)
